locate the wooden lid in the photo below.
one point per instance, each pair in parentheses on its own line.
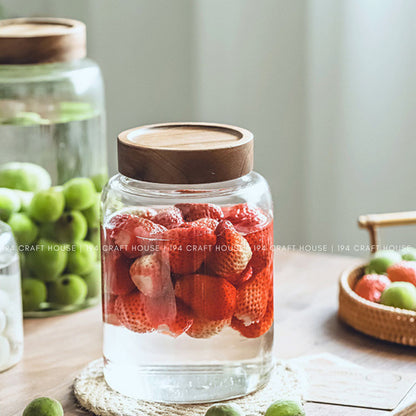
(185,153)
(41,40)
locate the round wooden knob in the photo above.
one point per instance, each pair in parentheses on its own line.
(185,153)
(41,40)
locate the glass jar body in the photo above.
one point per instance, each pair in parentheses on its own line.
(11,321)
(187,288)
(52,115)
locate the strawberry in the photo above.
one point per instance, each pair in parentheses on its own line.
(252,297)
(195,211)
(261,244)
(203,328)
(238,279)
(120,216)
(135,235)
(182,322)
(151,274)
(161,311)
(257,329)
(116,278)
(210,223)
(209,297)
(130,312)
(245,217)
(231,252)
(188,248)
(169,217)
(404,271)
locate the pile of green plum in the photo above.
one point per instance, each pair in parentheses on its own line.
(57,232)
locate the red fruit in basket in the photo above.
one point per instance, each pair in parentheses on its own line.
(209,297)
(210,223)
(371,286)
(116,268)
(261,244)
(150,273)
(257,329)
(231,252)
(169,217)
(245,217)
(195,211)
(253,296)
(238,279)
(136,236)
(404,271)
(188,248)
(203,328)
(182,322)
(131,314)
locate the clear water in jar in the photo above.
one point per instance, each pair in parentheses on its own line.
(11,321)
(157,347)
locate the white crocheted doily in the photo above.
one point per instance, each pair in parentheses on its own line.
(93,394)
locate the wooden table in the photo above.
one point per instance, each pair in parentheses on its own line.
(56,349)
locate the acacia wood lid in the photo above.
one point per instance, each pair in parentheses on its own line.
(41,40)
(185,153)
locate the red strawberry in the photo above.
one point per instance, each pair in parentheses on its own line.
(371,286)
(245,217)
(195,211)
(161,311)
(202,222)
(182,322)
(130,312)
(257,329)
(404,271)
(238,279)
(188,248)
(119,217)
(116,278)
(136,236)
(169,217)
(252,297)
(209,297)
(150,274)
(261,244)
(203,328)
(231,252)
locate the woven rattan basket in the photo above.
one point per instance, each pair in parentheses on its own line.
(383,322)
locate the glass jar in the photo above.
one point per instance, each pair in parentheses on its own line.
(52,132)
(11,321)
(187,265)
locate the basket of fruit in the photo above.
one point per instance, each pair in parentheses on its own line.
(379,298)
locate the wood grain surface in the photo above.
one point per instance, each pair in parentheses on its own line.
(56,349)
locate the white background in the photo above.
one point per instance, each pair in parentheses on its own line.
(327,87)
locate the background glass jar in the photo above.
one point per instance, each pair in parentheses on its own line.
(52,130)
(11,321)
(188,267)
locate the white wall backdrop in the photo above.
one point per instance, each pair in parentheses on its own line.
(327,87)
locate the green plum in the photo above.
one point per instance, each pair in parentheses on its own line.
(24,176)
(33,294)
(48,205)
(382,260)
(44,406)
(400,295)
(24,229)
(47,231)
(26,119)
(82,257)
(99,181)
(92,214)
(25,199)
(408,253)
(9,203)
(93,281)
(73,111)
(69,289)
(285,408)
(47,259)
(71,227)
(79,193)
(224,410)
